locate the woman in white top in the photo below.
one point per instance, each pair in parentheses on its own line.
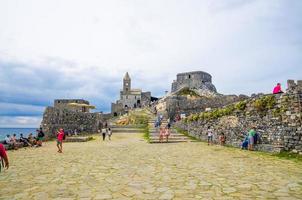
(210,136)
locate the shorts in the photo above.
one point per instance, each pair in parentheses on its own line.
(59,142)
(251,140)
(210,138)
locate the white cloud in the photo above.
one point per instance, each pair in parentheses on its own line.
(81,49)
(20,122)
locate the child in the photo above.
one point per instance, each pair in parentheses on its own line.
(161,134)
(60,136)
(109,133)
(167,134)
(222,139)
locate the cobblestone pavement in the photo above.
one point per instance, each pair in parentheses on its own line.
(129,168)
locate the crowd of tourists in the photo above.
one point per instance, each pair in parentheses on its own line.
(13,142)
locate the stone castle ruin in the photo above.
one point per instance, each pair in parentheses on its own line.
(200,83)
(277,119)
(196,80)
(70,114)
(130,98)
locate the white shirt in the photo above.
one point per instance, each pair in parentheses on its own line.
(210,133)
(7,140)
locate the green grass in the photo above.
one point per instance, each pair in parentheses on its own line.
(146,135)
(289,156)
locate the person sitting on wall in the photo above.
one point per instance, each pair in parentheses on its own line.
(24,140)
(16,142)
(31,139)
(9,142)
(277,89)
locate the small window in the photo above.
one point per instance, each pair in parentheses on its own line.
(189,76)
(127,89)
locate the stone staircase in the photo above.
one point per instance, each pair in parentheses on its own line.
(174,135)
(126,129)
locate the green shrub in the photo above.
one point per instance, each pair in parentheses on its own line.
(265,103)
(240,105)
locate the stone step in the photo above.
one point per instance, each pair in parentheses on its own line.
(126,126)
(169,141)
(127,130)
(170,138)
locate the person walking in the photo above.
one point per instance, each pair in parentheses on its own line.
(109,133)
(104,131)
(60,137)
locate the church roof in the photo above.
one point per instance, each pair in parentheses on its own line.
(126,77)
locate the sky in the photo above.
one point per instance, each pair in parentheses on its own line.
(82,48)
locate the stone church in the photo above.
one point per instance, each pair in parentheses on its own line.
(130,98)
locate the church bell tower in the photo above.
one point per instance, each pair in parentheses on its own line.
(126,83)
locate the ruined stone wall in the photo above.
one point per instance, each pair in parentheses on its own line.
(146,99)
(278,123)
(184,105)
(55,118)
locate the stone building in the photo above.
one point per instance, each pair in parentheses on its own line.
(193,80)
(70,114)
(130,98)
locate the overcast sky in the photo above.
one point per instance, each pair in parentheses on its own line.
(81,49)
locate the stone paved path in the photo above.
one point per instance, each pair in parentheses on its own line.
(129,168)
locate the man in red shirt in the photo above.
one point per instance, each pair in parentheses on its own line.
(4,156)
(60,137)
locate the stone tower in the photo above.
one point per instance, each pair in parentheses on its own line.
(126,83)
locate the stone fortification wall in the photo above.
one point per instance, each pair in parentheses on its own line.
(183,105)
(193,80)
(55,118)
(276,118)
